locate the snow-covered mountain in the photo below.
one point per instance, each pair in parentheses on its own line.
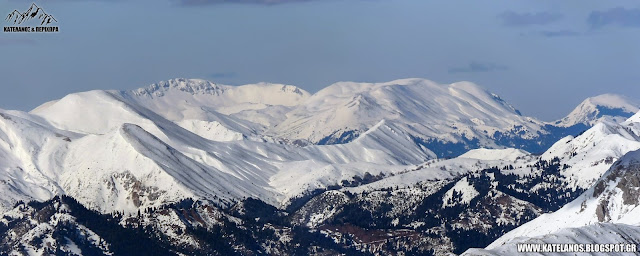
(583,159)
(606,107)
(476,197)
(121,150)
(462,201)
(459,113)
(613,198)
(590,155)
(350,158)
(449,119)
(112,153)
(609,206)
(192,103)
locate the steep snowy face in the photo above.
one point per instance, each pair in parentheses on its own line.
(633,124)
(129,169)
(614,198)
(606,107)
(453,113)
(31,153)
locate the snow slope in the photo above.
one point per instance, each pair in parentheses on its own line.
(26,173)
(590,154)
(606,107)
(598,233)
(244,109)
(508,154)
(421,107)
(464,189)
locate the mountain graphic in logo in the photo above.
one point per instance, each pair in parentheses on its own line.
(34,12)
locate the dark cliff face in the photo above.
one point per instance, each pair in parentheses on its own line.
(622,180)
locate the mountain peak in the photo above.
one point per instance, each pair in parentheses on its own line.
(605,107)
(613,101)
(193,86)
(287,88)
(204,87)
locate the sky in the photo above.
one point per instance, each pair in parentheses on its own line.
(543,56)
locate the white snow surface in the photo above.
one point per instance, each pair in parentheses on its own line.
(467,193)
(587,112)
(421,107)
(598,233)
(507,154)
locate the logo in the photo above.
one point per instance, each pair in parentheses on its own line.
(33,14)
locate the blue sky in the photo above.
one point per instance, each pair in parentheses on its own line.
(544,57)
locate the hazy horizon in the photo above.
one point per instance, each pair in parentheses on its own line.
(543,57)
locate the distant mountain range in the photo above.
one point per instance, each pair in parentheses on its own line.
(447,119)
(187,166)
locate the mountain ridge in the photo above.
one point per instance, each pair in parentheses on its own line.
(337,114)
(188,160)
